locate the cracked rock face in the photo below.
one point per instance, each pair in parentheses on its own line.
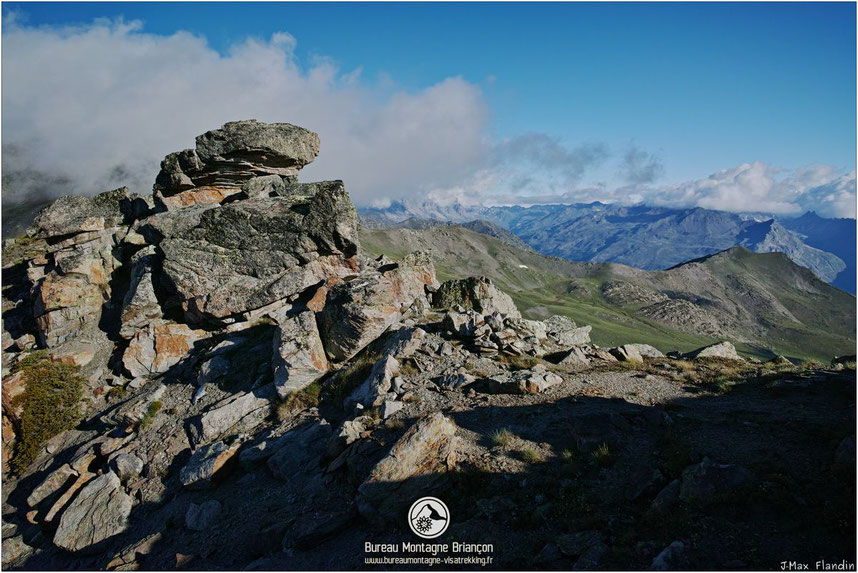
(157,347)
(100,511)
(358,311)
(299,356)
(248,254)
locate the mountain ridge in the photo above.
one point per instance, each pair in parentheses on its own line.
(648,237)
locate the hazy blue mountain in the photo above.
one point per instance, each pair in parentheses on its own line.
(832,235)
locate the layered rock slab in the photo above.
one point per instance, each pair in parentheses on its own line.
(100,511)
(414,464)
(225,159)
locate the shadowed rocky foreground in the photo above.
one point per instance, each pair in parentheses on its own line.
(216,376)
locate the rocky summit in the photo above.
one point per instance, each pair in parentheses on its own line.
(219,376)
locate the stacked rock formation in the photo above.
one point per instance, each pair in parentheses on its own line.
(132,289)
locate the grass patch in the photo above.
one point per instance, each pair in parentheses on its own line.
(602,456)
(307,397)
(571,464)
(150,414)
(518,362)
(22,249)
(408,368)
(339,387)
(502,438)
(532,456)
(51,404)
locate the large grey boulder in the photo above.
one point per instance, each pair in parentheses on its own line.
(360,310)
(299,356)
(374,389)
(415,463)
(533,381)
(563,331)
(723,349)
(476,293)
(626,353)
(575,358)
(71,215)
(100,511)
(276,146)
(127,466)
(249,254)
(646,350)
(175,168)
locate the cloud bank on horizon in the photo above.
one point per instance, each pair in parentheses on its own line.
(93,107)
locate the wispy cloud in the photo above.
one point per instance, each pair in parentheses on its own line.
(543,153)
(638,166)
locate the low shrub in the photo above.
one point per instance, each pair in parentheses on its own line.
(150,414)
(51,404)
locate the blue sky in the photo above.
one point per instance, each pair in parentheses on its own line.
(649,96)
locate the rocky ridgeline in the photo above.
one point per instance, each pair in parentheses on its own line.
(231,292)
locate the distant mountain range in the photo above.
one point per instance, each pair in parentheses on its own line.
(644,237)
(763,302)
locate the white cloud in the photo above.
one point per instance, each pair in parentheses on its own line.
(92,107)
(834,198)
(762,188)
